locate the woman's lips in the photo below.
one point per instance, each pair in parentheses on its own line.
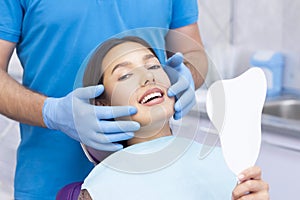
(152,97)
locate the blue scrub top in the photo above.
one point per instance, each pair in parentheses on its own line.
(53,38)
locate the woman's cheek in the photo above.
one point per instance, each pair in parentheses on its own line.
(163,79)
(121,96)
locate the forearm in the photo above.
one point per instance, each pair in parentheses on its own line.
(196,61)
(187,40)
(19,103)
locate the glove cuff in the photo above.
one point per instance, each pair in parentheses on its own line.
(46,109)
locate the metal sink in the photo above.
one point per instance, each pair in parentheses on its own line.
(287,109)
(282,115)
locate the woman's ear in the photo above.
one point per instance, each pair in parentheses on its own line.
(100,102)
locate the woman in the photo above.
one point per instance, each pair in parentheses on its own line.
(132,75)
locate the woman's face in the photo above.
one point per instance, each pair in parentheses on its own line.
(133,76)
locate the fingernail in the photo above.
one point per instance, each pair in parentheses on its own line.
(178,107)
(137,126)
(170,93)
(241,176)
(130,134)
(118,146)
(133,110)
(100,86)
(177,116)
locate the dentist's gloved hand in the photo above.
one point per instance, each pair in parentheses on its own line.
(89,124)
(182,87)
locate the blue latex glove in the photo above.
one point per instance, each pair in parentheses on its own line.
(182,87)
(89,124)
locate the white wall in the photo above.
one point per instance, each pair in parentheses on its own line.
(255,25)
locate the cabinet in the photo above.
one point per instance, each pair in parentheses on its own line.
(280,162)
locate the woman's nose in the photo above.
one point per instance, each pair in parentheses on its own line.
(147,78)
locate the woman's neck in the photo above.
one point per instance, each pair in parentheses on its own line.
(150,132)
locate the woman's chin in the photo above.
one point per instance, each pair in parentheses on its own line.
(147,115)
(151,131)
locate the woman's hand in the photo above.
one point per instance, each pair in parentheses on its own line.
(251,186)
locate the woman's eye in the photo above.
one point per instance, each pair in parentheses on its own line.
(124,77)
(154,67)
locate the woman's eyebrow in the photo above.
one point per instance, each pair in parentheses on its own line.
(148,56)
(123,64)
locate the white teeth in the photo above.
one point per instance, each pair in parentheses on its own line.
(149,96)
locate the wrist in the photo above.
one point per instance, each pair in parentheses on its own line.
(47,108)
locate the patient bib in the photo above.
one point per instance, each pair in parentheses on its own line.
(165,168)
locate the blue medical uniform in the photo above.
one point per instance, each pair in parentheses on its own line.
(53,38)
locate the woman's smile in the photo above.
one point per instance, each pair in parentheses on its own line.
(152,97)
